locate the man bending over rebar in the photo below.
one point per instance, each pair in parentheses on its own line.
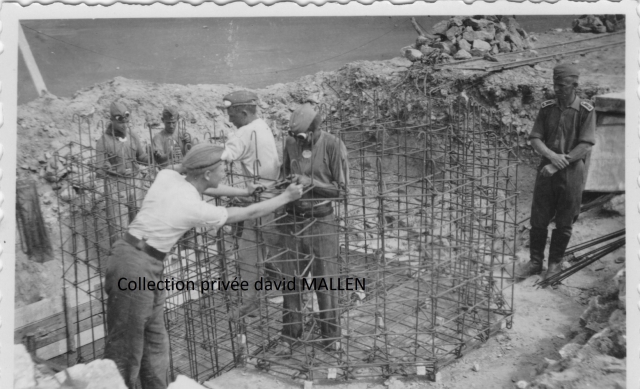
(118,153)
(563,135)
(318,160)
(253,145)
(137,338)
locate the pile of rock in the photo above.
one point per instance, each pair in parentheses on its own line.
(596,355)
(466,37)
(599,24)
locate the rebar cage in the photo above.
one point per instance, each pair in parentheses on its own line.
(426,233)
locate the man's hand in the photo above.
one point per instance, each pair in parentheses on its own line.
(300,179)
(548,170)
(255,187)
(293,192)
(560,161)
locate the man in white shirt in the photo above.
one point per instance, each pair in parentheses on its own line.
(254,146)
(137,338)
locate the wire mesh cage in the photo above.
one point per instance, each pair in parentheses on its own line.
(404,274)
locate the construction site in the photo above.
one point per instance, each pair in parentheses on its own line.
(432,224)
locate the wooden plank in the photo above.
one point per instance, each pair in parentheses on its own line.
(60,347)
(44,339)
(53,325)
(34,71)
(38,311)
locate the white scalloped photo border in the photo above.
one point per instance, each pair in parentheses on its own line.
(12,13)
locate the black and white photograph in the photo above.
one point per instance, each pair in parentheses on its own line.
(406,199)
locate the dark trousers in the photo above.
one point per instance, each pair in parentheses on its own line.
(320,239)
(137,339)
(558,196)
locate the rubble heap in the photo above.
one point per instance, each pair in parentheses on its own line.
(598,345)
(462,38)
(599,24)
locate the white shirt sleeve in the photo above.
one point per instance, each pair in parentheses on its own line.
(211,216)
(235,148)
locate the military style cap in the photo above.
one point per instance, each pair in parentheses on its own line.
(170,114)
(241,97)
(302,118)
(119,111)
(565,70)
(202,155)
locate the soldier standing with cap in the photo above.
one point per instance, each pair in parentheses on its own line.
(312,157)
(254,146)
(563,135)
(168,143)
(118,153)
(137,338)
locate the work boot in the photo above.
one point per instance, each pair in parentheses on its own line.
(527,270)
(537,243)
(554,268)
(559,242)
(283,349)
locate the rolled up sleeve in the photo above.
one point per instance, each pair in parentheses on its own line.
(588,129)
(537,132)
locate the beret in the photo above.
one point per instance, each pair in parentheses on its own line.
(118,109)
(202,155)
(241,97)
(565,70)
(302,118)
(170,114)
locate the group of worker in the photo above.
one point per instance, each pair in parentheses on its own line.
(316,164)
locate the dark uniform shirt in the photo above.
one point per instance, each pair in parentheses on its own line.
(115,154)
(328,160)
(562,130)
(167,145)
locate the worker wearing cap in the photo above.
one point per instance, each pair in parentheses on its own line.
(318,160)
(118,153)
(137,338)
(168,144)
(253,146)
(563,135)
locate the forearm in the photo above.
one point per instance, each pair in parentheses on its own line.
(579,152)
(541,148)
(326,192)
(225,190)
(256,210)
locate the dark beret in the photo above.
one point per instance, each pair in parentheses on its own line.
(302,117)
(241,97)
(170,114)
(565,70)
(118,108)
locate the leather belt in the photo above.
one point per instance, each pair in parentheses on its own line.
(144,247)
(313,212)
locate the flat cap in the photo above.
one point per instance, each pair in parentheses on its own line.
(202,155)
(302,118)
(170,113)
(118,108)
(565,70)
(241,97)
